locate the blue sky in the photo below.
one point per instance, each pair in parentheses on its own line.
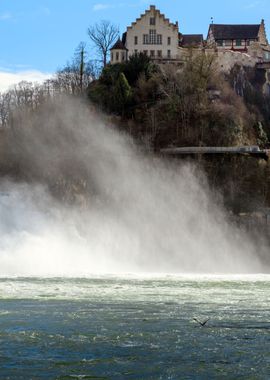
(41,35)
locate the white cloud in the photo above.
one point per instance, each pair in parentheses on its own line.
(100,7)
(254,4)
(9,79)
(46,11)
(5,16)
(103,6)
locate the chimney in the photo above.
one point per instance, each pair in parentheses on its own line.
(262,34)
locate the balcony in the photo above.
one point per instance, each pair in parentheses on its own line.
(166,58)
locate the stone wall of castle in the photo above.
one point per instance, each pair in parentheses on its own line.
(227,59)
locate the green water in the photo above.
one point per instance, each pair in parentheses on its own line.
(132,327)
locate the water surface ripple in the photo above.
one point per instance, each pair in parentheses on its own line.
(129,327)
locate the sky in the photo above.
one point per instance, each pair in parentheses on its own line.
(39,36)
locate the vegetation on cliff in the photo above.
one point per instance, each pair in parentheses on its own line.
(190,105)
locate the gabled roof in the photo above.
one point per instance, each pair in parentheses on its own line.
(118,45)
(191,40)
(234,32)
(157,12)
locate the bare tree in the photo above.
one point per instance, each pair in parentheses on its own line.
(81,57)
(5,108)
(103,35)
(75,76)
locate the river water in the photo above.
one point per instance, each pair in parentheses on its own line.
(135,327)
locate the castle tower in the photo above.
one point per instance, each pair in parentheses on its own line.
(118,52)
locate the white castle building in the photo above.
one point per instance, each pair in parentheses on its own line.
(154,35)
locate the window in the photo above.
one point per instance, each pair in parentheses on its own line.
(228,42)
(135,51)
(220,42)
(145,52)
(238,42)
(159,39)
(117,56)
(152,38)
(169,40)
(267,55)
(136,40)
(152,53)
(123,56)
(159,53)
(169,54)
(111,56)
(152,35)
(152,21)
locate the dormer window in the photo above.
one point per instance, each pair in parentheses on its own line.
(152,21)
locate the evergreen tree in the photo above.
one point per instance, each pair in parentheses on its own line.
(122,93)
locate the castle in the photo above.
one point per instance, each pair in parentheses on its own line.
(155,35)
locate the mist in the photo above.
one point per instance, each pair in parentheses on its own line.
(82,199)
